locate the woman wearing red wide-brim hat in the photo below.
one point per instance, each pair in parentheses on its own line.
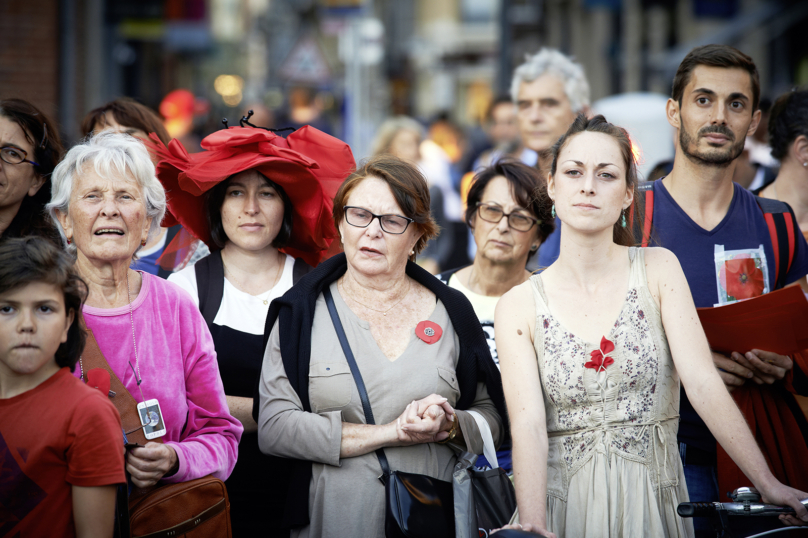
(262,203)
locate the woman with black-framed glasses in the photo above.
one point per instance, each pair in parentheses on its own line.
(30,149)
(423,359)
(508,212)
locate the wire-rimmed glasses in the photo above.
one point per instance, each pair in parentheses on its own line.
(13,155)
(361,218)
(493,213)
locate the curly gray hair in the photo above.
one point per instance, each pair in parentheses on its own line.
(552,61)
(112,155)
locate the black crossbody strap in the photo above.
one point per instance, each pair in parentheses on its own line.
(357,375)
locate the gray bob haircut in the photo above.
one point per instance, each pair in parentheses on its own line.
(111,155)
(390,128)
(555,63)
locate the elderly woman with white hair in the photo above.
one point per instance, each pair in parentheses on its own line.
(107,203)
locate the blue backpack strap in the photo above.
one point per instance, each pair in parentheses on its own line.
(210,285)
(782,230)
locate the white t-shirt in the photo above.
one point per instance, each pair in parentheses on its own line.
(484,307)
(239,311)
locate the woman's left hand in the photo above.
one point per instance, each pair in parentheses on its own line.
(150,463)
(425,421)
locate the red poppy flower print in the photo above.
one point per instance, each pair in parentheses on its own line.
(600,360)
(744,278)
(428,331)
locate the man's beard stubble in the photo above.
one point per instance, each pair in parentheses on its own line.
(719,158)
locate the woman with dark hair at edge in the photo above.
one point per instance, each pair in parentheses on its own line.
(508,213)
(30,148)
(263,205)
(127,116)
(592,352)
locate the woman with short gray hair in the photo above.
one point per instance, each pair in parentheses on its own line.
(107,202)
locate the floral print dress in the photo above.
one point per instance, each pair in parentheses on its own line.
(612,415)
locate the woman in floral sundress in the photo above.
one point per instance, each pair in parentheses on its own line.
(613,329)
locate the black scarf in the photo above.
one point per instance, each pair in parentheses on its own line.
(294,311)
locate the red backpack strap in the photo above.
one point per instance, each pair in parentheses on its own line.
(780,220)
(646,190)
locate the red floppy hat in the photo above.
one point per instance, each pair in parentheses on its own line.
(309,165)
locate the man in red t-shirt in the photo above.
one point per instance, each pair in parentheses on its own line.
(61,443)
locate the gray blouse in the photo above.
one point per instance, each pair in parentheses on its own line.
(345,496)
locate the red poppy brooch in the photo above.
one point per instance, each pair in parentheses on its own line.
(600,360)
(744,278)
(428,331)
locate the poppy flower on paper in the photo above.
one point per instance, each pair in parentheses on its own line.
(600,360)
(428,331)
(744,278)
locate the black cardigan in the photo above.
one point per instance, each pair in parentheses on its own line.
(294,311)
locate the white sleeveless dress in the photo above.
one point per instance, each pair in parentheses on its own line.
(613,463)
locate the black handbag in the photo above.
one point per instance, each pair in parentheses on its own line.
(416,505)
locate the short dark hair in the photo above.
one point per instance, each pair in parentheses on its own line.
(627,235)
(33,259)
(43,135)
(498,100)
(722,56)
(788,121)
(527,187)
(128,113)
(215,200)
(409,187)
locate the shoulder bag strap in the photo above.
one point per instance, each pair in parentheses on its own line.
(123,400)
(360,384)
(210,285)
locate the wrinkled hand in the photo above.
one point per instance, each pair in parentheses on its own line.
(425,421)
(767,367)
(527,527)
(732,373)
(786,496)
(150,463)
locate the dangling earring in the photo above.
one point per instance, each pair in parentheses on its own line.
(552,211)
(68,240)
(623,219)
(143,243)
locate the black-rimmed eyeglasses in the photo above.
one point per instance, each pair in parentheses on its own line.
(494,213)
(13,155)
(361,218)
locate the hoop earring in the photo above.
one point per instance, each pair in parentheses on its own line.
(623,219)
(552,211)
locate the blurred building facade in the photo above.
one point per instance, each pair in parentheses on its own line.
(345,65)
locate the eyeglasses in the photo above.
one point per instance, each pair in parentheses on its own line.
(361,218)
(494,213)
(13,155)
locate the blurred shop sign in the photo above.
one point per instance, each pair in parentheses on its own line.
(362,42)
(306,63)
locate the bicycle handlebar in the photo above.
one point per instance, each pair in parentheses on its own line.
(703,509)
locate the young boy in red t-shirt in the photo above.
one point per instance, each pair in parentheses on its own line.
(61,443)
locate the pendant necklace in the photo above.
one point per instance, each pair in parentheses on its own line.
(241,287)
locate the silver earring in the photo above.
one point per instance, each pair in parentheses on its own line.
(412,253)
(805,165)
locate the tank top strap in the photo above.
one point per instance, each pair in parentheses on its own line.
(638,278)
(539,296)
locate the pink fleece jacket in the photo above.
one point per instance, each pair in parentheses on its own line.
(179,369)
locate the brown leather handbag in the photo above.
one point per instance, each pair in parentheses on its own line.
(194,509)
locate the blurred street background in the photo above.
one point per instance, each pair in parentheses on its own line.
(345,66)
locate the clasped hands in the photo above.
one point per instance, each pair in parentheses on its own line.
(148,464)
(762,367)
(425,421)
